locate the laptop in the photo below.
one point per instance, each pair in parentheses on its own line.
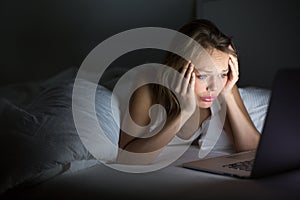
(279,145)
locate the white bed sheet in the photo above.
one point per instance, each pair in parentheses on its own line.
(172,182)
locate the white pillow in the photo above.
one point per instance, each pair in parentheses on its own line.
(256,101)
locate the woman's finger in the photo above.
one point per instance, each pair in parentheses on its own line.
(192,83)
(234,62)
(178,80)
(234,74)
(187,78)
(185,68)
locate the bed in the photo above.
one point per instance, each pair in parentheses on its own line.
(50,161)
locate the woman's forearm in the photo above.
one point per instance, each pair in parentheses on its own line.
(244,132)
(149,147)
(158,141)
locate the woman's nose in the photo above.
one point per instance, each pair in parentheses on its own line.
(212,84)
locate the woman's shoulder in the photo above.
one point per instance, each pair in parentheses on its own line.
(143,95)
(140,103)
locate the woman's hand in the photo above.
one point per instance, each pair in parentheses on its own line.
(184,87)
(233,76)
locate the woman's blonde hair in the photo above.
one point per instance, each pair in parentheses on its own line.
(209,37)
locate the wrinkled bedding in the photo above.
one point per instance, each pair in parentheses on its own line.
(39,140)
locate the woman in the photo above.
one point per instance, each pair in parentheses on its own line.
(199,87)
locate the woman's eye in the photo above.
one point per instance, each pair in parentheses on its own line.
(202,76)
(223,75)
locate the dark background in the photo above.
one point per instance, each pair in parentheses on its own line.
(40,38)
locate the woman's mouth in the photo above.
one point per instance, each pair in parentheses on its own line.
(208,99)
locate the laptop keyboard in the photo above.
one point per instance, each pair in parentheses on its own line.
(244,165)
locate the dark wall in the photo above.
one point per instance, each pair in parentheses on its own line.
(42,37)
(39,38)
(266,33)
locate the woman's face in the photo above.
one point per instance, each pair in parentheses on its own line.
(211,77)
